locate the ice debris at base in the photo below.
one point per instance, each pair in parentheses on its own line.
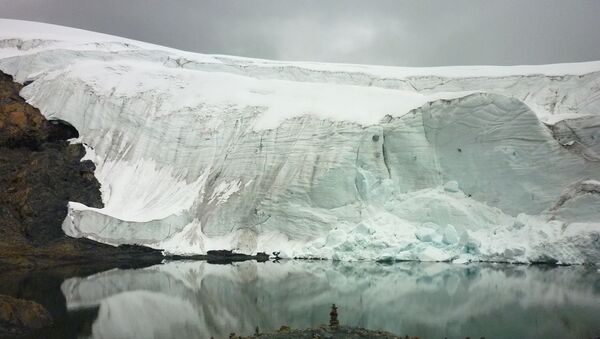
(198,152)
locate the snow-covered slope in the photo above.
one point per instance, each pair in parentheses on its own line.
(197,152)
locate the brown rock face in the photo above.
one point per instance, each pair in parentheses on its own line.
(40,172)
(19,316)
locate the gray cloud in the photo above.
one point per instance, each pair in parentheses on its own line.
(404,33)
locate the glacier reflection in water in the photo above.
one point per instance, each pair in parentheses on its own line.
(196,299)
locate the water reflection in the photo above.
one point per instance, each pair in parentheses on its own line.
(196,299)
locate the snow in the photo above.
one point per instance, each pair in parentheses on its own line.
(578,68)
(36,36)
(595,183)
(48,34)
(349,162)
(224,190)
(276,100)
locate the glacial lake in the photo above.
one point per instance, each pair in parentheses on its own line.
(194,299)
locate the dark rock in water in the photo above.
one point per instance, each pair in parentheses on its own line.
(19,316)
(221,253)
(223,257)
(227,257)
(262,257)
(40,172)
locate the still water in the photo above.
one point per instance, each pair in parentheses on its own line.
(198,300)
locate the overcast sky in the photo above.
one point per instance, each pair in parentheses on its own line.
(404,33)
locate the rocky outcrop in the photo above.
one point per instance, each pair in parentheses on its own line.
(323,332)
(40,172)
(19,316)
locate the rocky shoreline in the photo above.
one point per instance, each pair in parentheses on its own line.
(333,330)
(324,332)
(19,316)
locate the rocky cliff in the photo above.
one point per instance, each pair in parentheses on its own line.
(40,172)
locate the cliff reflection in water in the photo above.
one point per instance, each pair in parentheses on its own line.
(187,299)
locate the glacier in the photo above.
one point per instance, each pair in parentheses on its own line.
(198,152)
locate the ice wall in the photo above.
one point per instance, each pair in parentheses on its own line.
(199,152)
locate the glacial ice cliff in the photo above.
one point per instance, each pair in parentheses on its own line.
(198,152)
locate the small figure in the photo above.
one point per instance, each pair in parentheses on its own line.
(333,320)
(276,255)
